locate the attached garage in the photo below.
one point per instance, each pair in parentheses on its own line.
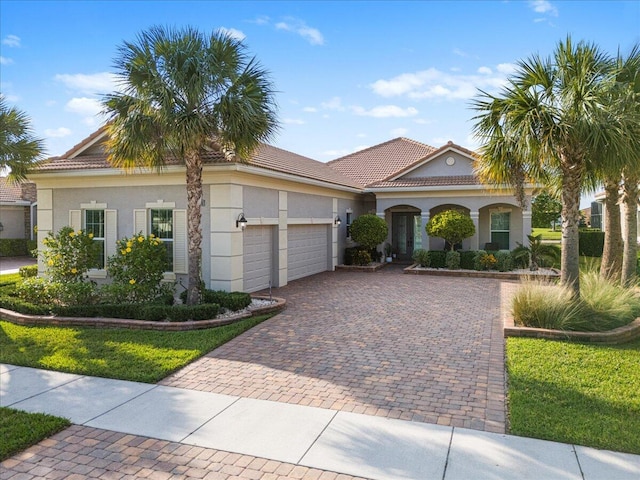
(257,258)
(307,247)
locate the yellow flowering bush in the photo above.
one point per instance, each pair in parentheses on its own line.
(137,270)
(69,254)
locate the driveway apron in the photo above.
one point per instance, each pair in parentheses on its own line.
(420,348)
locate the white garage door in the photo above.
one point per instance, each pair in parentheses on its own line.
(306,250)
(257,257)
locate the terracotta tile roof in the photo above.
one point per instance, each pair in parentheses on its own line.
(266,156)
(381,161)
(428,182)
(10,192)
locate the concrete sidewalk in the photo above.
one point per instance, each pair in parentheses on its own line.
(343,442)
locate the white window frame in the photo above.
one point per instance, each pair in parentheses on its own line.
(491,230)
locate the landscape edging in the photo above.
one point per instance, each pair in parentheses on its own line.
(100,322)
(623,334)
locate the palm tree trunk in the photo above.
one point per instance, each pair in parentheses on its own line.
(570,261)
(630,254)
(611,266)
(194,228)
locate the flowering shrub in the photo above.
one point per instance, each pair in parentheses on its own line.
(69,254)
(487,261)
(137,269)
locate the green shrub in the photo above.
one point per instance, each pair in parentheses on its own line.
(467,258)
(13,247)
(233,301)
(32,248)
(28,271)
(17,305)
(69,254)
(183,313)
(452,260)
(369,231)
(591,243)
(438,258)
(610,304)
(504,261)
(478,260)
(153,313)
(362,258)
(422,257)
(137,269)
(349,252)
(452,225)
(37,290)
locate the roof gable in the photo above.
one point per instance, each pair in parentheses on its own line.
(448,160)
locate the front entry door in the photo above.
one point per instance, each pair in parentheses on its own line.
(405,230)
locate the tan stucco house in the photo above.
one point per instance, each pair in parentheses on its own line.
(297,209)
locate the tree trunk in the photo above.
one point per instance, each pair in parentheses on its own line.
(194,228)
(570,261)
(630,254)
(611,266)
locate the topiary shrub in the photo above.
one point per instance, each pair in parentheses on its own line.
(504,261)
(452,260)
(369,231)
(466,259)
(361,258)
(422,257)
(451,225)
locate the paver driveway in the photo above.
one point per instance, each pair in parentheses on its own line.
(403,346)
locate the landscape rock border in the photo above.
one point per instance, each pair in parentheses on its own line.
(100,322)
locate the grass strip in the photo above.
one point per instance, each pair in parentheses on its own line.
(575,393)
(19,430)
(136,355)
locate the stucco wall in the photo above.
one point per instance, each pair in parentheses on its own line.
(260,202)
(309,206)
(437,167)
(12,219)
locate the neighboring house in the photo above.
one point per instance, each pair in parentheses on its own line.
(599,208)
(292,205)
(17,209)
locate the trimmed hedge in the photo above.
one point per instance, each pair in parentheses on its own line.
(28,271)
(233,301)
(17,305)
(438,258)
(13,247)
(467,258)
(591,243)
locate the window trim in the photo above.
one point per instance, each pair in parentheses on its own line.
(491,230)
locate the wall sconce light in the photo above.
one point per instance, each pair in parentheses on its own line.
(337,221)
(241,221)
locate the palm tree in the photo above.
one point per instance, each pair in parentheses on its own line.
(537,253)
(550,121)
(19,149)
(184,93)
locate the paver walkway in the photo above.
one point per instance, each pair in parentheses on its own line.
(420,348)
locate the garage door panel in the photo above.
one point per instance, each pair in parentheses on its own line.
(257,257)
(307,250)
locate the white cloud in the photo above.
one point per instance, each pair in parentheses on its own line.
(460,53)
(294,121)
(433,83)
(5,61)
(310,109)
(361,135)
(543,6)
(312,35)
(57,132)
(506,68)
(485,71)
(88,84)
(385,111)
(232,32)
(334,104)
(84,106)
(261,20)
(11,41)
(399,132)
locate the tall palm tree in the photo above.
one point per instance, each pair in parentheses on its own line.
(551,120)
(19,149)
(184,93)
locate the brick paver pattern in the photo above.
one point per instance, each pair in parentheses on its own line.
(419,348)
(82,452)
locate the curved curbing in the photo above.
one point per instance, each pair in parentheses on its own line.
(476,273)
(623,334)
(99,322)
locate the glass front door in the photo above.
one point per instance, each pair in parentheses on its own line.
(406,234)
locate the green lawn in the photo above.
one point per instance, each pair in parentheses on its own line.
(19,430)
(575,393)
(547,233)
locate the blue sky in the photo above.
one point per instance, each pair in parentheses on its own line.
(349,74)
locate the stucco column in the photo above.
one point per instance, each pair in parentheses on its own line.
(226,239)
(383,216)
(425,217)
(526,227)
(475,239)
(45,222)
(334,235)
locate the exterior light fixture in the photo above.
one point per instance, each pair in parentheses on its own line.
(337,221)
(241,221)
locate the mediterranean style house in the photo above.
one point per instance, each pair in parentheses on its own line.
(297,210)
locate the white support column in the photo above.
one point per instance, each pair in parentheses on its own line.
(334,236)
(45,222)
(475,239)
(226,239)
(283,258)
(526,228)
(425,236)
